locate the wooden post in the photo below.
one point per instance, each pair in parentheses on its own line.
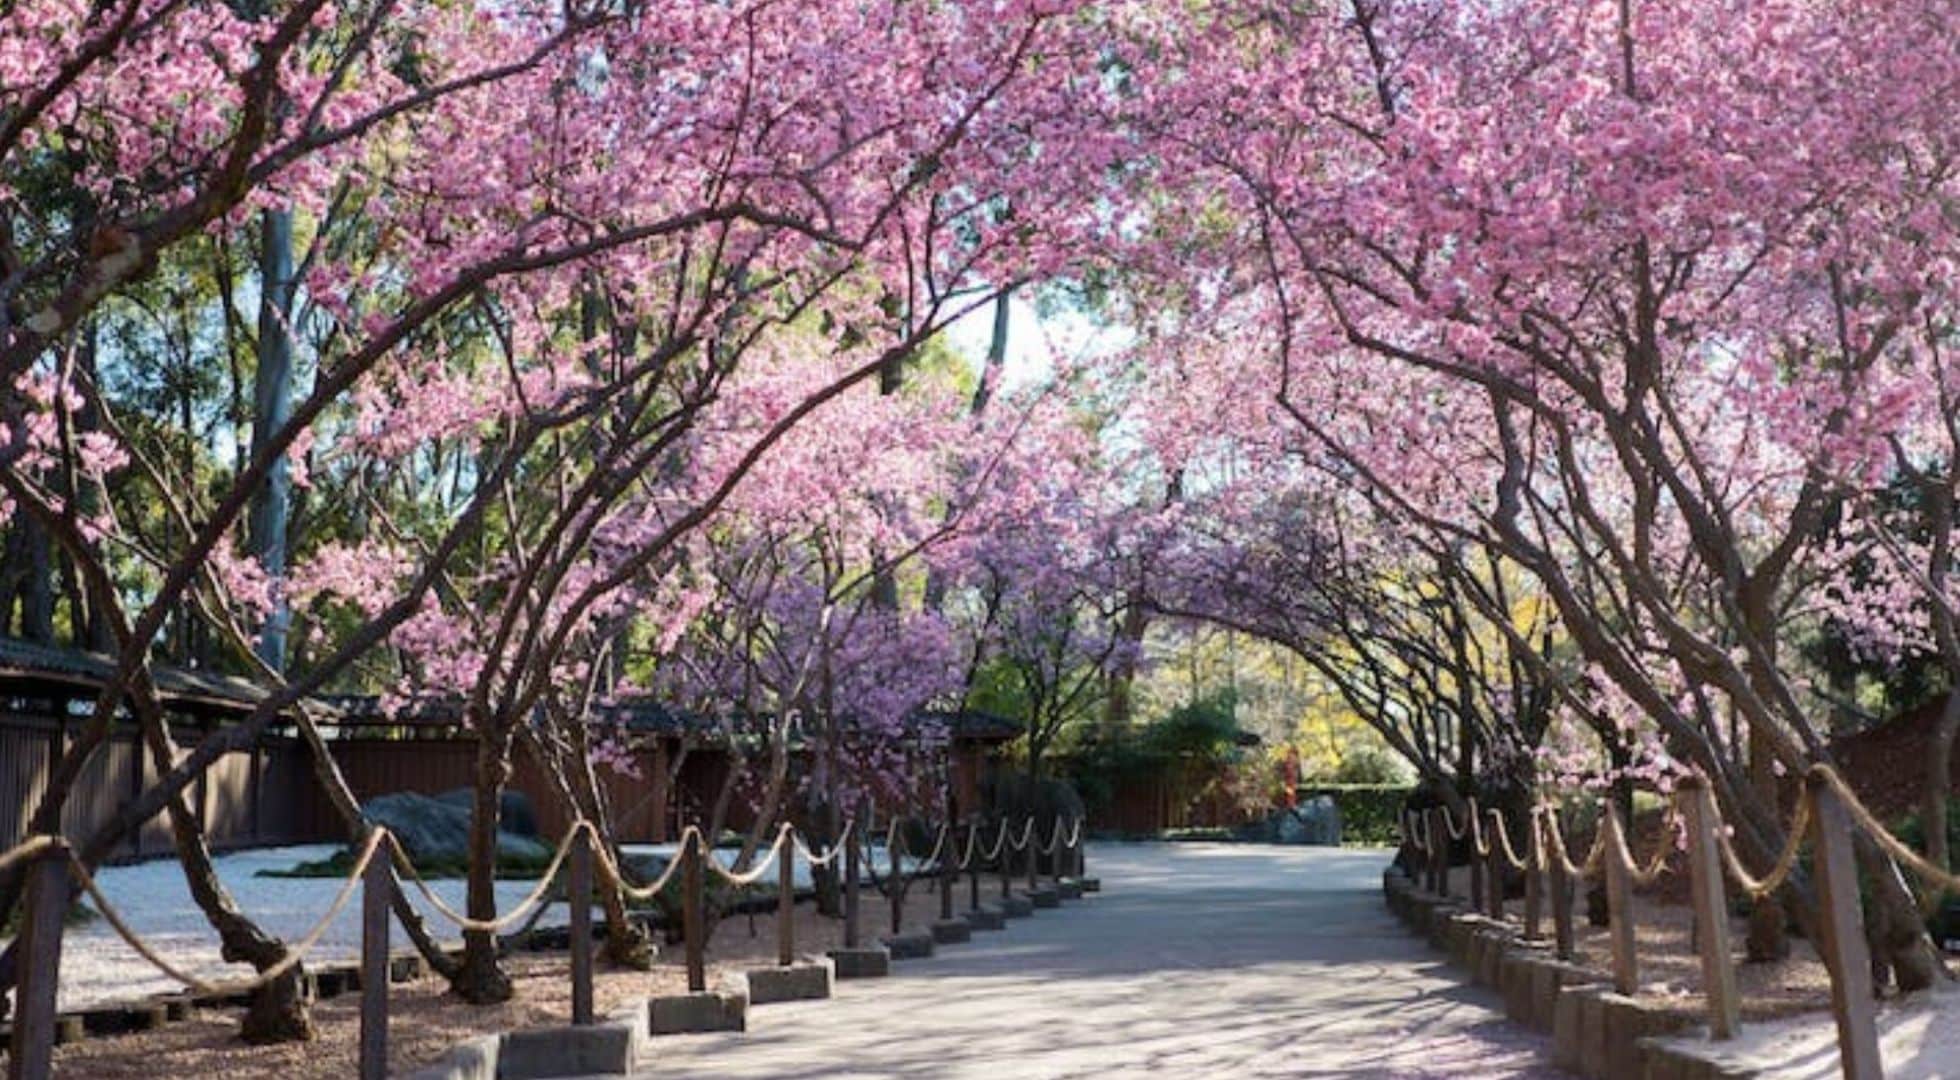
(946,873)
(895,877)
(1711,909)
(786,901)
(1619,900)
(579,891)
(1474,826)
(31,1053)
(973,865)
(1561,886)
(1033,829)
(377,887)
(691,913)
(1534,886)
(852,871)
(1844,948)
(1439,852)
(1495,865)
(1006,859)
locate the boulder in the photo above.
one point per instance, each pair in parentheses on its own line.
(435,832)
(1316,821)
(515,814)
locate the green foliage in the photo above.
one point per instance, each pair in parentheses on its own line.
(1369,812)
(1371,765)
(1189,743)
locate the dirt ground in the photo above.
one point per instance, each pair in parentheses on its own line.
(425,1021)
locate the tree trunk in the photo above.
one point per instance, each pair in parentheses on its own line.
(481,980)
(1768,939)
(1939,787)
(272,407)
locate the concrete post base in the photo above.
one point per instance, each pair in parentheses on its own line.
(806,981)
(916,946)
(707,1011)
(986,918)
(861,963)
(1016,906)
(1045,897)
(951,931)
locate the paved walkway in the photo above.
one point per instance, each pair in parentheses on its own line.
(1196,960)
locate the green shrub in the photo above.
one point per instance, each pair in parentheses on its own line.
(1369,812)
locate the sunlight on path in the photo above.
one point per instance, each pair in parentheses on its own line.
(1197,960)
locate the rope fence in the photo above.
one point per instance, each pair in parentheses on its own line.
(1826,818)
(50,868)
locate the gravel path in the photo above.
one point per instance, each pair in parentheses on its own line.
(1198,960)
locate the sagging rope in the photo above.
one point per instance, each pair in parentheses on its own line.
(1504,840)
(1900,851)
(836,849)
(26,849)
(754,873)
(1027,836)
(1563,855)
(1054,839)
(1449,823)
(972,841)
(294,953)
(535,896)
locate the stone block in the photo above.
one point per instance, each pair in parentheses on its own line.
(1070,889)
(914,946)
(593,1049)
(475,1059)
(985,917)
(953,931)
(1090,884)
(711,1010)
(861,963)
(1016,906)
(1630,1023)
(806,981)
(1045,896)
(1568,1026)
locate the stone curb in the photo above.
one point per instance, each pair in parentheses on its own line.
(1595,1033)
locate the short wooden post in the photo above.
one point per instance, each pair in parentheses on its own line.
(786,901)
(1495,865)
(1441,850)
(1005,859)
(31,1053)
(1032,831)
(1844,948)
(1619,900)
(1561,886)
(1534,885)
(973,865)
(377,888)
(947,871)
(1474,825)
(579,895)
(1711,909)
(895,878)
(692,916)
(1081,861)
(853,870)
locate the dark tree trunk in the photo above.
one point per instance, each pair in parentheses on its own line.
(481,980)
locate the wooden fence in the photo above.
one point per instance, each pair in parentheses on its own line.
(50,868)
(1828,818)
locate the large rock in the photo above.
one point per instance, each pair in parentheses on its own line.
(1316,821)
(436,832)
(515,814)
